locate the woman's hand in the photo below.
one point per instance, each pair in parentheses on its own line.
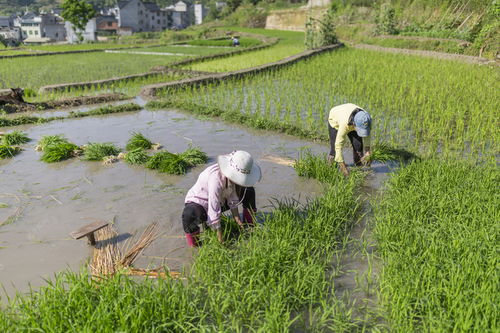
(343,168)
(366,159)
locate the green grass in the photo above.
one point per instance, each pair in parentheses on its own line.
(193,50)
(14,138)
(95,151)
(291,42)
(287,257)
(437,232)
(138,141)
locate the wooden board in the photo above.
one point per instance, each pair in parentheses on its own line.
(88,229)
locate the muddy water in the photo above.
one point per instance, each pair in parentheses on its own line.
(40,204)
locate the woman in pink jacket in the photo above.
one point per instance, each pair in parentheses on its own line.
(220,187)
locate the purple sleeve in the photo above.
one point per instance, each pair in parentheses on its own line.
(214,207)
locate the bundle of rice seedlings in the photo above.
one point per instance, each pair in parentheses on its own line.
(382,152)
(8,151)
(174,165)
(50,140)
(138,141)
(137,156)
(58,152)
(156,160)
(14,138)
(194,156)
(97,151)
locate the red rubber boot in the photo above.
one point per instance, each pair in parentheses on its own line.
(249,215)
(192,239)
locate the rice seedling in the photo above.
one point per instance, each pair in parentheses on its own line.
(437,229)
(176,164)
(7,151)
(14,138)
(138,141)
(382,152)
(137,156)
(95,151)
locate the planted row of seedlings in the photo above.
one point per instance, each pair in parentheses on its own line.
(437,233)
(421,104)
(110,109)
(10,143)
(229,285)
(57,148)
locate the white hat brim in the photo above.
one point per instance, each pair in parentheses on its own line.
(245,180)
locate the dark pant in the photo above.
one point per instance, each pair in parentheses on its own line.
(356,141)
(193,214)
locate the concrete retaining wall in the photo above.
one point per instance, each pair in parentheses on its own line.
(152,90)
(292,19)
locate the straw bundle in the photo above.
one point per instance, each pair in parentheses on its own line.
(106,253)
(107,259)
(151,233)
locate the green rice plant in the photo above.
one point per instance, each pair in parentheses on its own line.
(193,156)
(138,141)
(137,156)
(14,138)
(58,152)
(7,151)
(97,151)
(156,160)
(437,234)
(21,120)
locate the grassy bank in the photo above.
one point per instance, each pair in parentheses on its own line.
(437,231)
(423,105)
(228,288)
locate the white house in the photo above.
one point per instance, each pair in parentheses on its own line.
(200,11)
(42,28)
(89,34)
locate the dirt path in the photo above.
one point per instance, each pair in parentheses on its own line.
(431,54)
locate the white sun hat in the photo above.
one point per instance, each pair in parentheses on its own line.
(240,168)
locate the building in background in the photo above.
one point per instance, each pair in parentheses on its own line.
(137,16)
(200,11)
(107,25)
(10,33)
(89,34)
(42,28)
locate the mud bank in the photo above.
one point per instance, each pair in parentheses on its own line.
(42,203)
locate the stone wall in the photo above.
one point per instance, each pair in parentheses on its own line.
(292,19)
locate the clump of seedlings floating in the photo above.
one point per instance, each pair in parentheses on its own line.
(138,141)
(14,138)
(95,151)
(176,164)
(137,156)
(56,148)
(8,151)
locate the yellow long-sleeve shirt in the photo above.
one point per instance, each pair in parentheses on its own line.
(339,119)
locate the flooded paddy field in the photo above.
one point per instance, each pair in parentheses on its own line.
(40,204)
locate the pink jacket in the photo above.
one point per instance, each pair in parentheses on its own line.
(211,191)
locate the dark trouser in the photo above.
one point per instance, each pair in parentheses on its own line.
(194,214)
(356,141)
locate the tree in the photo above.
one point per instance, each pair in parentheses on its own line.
(78,13)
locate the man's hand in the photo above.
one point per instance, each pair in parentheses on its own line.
(236,216)
(366,159)
(343,168)
(219,236)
